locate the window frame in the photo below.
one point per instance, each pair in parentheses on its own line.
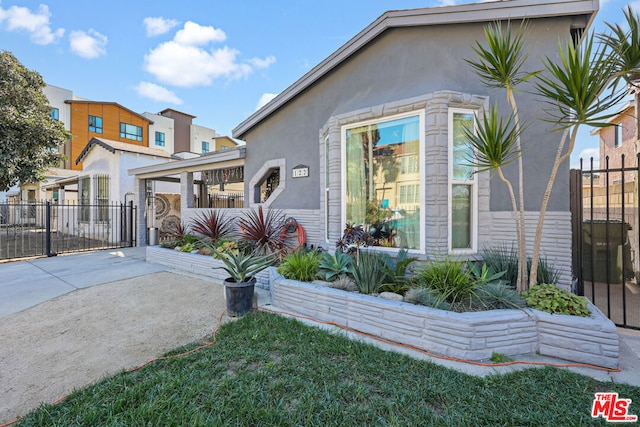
(451,182)
(125,134)
(162,140)
(204,144)
(55,113)
(93,125)
(421,114)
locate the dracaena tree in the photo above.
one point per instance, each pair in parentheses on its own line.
(499,64)
(29,138)
(580,89)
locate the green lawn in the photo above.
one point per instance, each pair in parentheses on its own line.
(271,371)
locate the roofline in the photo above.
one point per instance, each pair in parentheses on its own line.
(467,13)
(105,144)
(190,165)
(626,107)
(177,111)
(77,101)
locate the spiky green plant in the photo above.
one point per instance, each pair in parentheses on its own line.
(450,280)
(369,273)
(427,297)
(242,267)
(300,265)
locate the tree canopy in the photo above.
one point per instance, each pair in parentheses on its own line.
(29,138)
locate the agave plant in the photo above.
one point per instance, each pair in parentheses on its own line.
(212,224)
(242,267)
(266,233)
(336,266)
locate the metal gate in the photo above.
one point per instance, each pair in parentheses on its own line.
(29,229)
(606,237)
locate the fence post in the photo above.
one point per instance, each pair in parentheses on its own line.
(48,228)
(131,225)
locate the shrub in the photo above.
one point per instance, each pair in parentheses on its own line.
(450,280)
(396,268)
(496,295)
(425,296)
(264,233)
(369,273)
(554,300)
(503,258)
(212,225)
(336,266)
(300,265)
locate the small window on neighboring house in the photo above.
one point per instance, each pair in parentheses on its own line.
(160,139)
(95,124)
(101,190)
(128,131)
(205,147)
(84,188)
(618,137)
(55,114)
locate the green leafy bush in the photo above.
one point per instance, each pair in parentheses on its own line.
(450,280)
(300,265)
(369,272)
(554,300)
(335,266)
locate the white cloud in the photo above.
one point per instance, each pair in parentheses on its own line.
(193,34)
(89,44)
(264,99)
(186,61)
(586,156)
(21,18)
(157,93)
(262,63)
(158,26)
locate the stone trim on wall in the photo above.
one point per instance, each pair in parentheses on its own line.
(435,163)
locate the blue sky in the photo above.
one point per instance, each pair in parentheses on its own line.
(217,60)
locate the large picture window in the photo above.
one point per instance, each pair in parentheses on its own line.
(382,179)
(462,184)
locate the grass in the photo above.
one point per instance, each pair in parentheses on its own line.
(267,370)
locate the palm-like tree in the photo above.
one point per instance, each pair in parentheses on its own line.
(499,64)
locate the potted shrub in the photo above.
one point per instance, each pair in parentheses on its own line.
(239,286)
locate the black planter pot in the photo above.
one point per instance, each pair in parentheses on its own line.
(239,296)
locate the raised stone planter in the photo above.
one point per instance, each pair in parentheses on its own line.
(472,336)
(202,265)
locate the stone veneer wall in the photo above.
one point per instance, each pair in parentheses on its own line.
(471,336)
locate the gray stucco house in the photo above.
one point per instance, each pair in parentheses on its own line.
(372,135)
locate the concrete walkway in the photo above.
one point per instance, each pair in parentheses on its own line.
(24,284)
(56,305)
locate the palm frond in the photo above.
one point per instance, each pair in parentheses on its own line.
(575,87)
(500,59)
(493,141)
(625,46)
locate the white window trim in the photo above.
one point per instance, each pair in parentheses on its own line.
(474,191)
(326,189)
(259,176)
(421,156)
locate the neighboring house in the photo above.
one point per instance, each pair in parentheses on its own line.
(402,86)
(90,119)
(618,139)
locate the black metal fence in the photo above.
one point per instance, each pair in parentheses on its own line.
(606,237)
(226,200)
(44,228)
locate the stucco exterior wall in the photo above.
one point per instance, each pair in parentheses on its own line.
(400,64)
(164,125)
(628,123)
